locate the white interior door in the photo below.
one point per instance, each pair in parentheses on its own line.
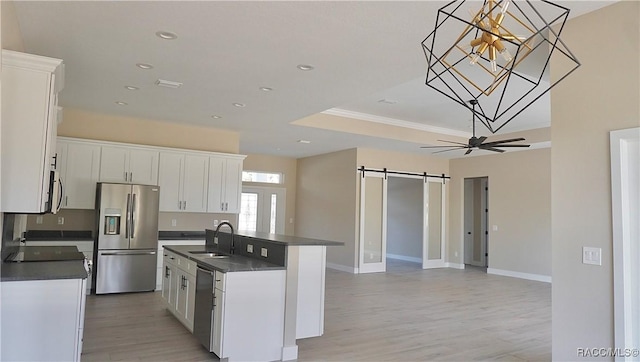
(262,209)
(625,196)
(373,223)
(434,224)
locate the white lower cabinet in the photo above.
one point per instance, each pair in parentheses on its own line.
(42,320)
(249,315)
(160,275)
(178,288)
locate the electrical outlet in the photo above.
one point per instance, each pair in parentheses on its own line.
(495,228)
(39,219)
(215,223)
(249,248)
(60,220)
(215,240)
(455,253)
(174,222)
(263,252)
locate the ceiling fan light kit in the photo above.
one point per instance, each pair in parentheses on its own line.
(500,55)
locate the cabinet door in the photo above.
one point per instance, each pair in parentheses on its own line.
(167,270)
(195,183)
(181,300)
(216,184)
(232,185)
(190,282)
(169,179)
(25,139)
(114,164)
(143,167)
(81,176)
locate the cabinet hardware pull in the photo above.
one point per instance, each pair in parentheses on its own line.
(185,205)
(131,176)
(166,271)
(125,176)
(66,201)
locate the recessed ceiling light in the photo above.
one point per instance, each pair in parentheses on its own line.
(215,116)
(239,105)
(305,67)
(130,87)
(304,141)
(266,89)
(387,101)
(144,66)
(120,103)
(166,35)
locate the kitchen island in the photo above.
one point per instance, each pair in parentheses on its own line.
(302,262)
(43,304)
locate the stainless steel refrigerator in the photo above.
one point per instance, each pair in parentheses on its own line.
(127,218)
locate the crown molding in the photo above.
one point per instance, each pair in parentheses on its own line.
(395,122)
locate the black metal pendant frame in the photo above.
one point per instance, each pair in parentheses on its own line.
(511,90)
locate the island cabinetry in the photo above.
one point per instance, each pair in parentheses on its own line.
(42,320)
(178,288)
(248,315)
(183,180)
(129,165)
(160,275)
(79,167)
(30,86)
(225,184)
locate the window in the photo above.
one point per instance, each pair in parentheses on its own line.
(263,177)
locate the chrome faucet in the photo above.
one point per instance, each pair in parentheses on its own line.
(215,235)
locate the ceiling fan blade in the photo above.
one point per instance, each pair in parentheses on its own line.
(468,151)
(492,149)
(451,149)
(482,139)
(509,145)
(462,146)
(457,143)
(493,143)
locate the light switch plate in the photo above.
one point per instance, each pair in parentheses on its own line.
(60,220)
(263,252)
(249,248)
(39,219)
(591,256)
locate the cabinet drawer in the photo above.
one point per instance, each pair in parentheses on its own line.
(220,280)
(170,257)
(189,266)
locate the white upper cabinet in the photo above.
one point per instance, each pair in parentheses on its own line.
(79,170)
(183,182)
(30,86)
(129,165)
(225,185)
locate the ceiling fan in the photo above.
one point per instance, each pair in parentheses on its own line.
(478,142)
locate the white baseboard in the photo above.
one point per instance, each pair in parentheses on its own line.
(528,276)
(343,268)
(454,265)
(290,353)
(405,258)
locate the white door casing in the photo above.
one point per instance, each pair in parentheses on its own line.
(434,258)
(625,199)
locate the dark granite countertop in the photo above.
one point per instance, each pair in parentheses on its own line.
(181,235)
(43,270)
(235,263)
(286,239)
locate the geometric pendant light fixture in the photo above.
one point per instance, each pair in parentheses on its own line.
(496,52)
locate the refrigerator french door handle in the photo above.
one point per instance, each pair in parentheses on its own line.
(133,220)
(129,253)
(128,217)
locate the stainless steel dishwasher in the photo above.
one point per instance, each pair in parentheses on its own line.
(205,307)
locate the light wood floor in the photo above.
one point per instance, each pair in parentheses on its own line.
(406,314)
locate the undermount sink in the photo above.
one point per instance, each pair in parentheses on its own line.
(208,254)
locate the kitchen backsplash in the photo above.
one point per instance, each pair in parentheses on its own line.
(73,219)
